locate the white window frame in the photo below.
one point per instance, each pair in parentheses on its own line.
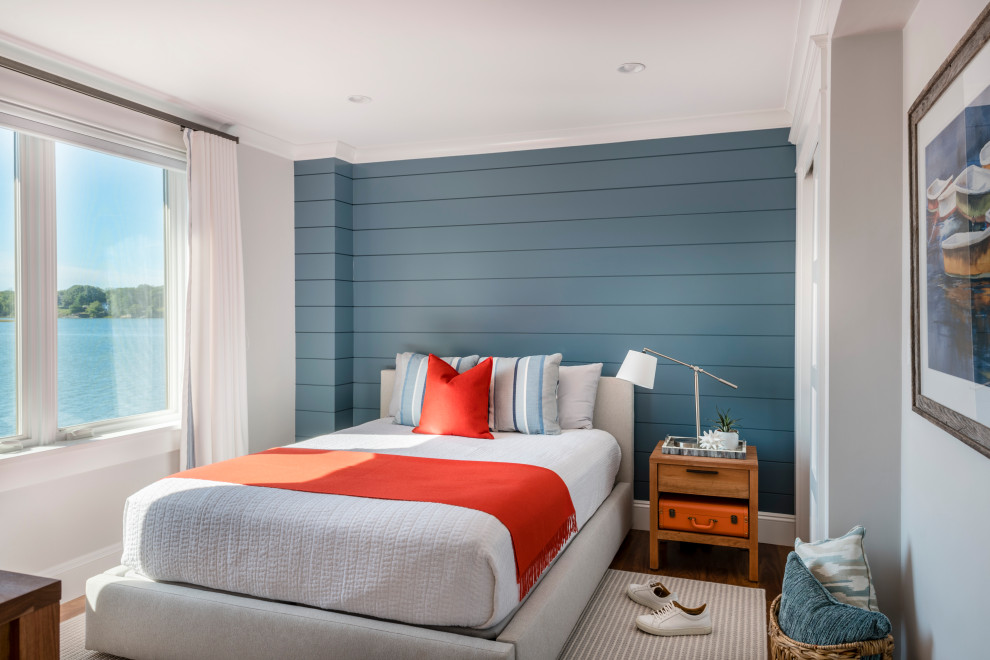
(36,286)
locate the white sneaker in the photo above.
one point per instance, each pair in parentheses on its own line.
(675,619)
(653,595)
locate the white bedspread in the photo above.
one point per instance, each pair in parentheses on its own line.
(415,562)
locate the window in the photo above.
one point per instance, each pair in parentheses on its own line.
(111,286)
(8,284)
(89,295)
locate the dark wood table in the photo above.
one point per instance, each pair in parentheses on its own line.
(29,607)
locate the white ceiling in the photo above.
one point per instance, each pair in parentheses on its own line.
(442,73)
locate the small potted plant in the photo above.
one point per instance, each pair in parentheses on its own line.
(725,429)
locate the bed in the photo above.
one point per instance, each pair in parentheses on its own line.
(130,615)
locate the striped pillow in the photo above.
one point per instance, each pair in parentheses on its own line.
(410,381)
(840,565)
(523,395)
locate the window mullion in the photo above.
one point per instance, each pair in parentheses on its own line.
(39,296)
(176,245)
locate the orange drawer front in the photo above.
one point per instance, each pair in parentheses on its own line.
(705,515)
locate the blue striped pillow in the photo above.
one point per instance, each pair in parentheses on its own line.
(523,394)
(410,381)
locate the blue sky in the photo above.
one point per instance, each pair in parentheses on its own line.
(6,210)
(110,218)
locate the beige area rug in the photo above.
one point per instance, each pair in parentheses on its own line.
(607,628)
(72,640)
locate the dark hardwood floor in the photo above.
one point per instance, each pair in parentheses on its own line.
(704,562)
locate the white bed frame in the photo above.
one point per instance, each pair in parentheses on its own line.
(134,617)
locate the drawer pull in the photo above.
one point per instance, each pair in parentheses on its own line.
(697,471)
(694,523)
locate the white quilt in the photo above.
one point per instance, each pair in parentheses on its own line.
(415,562)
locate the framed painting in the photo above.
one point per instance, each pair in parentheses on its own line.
(949,161)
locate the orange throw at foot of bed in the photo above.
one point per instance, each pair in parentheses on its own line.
(532,502)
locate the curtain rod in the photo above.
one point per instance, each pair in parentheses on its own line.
(20,67)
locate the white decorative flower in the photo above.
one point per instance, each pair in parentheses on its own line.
(710,441)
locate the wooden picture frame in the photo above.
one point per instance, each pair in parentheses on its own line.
(950,279)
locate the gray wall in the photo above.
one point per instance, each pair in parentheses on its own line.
(684,245)
(265,186)
(945,485)
(864,322)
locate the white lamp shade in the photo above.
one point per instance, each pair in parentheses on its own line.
(639,369)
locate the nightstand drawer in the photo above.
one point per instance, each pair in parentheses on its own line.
(716,481)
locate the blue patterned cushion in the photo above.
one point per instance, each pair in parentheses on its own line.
(410,382)
(840,565)
(523,394)
(811,615)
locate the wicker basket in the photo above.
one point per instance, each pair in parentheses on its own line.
(783,647)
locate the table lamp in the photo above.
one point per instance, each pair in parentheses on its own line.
(640,369)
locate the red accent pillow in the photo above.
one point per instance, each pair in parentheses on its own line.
(453,403)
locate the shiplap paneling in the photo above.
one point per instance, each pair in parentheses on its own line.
(716,197)
(749,226)
(684,245)
(324,296)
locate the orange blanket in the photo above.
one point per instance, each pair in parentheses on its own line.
(532,502)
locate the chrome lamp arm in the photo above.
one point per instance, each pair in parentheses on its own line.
(697,396)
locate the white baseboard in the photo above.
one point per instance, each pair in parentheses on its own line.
(775,528)
(75,572)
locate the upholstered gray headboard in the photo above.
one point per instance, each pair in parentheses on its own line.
(613,413)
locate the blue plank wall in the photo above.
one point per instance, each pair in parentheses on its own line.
(684,245)
(324,297)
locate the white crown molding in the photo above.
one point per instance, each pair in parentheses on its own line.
(810,85)
(335,149)
(812,36)
(570,137)
(273,145)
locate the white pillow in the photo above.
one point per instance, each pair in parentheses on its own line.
(576,395)
(841,566)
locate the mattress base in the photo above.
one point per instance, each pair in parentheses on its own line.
(140,618)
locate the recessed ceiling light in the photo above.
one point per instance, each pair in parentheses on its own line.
(359,98)
(632,67)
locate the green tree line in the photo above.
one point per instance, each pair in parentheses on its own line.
(7,304)
(86,301)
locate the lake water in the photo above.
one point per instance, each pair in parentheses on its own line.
(107,368)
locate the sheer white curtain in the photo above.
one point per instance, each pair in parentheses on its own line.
(215,382)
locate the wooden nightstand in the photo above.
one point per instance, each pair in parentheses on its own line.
(711,477)
(29,617)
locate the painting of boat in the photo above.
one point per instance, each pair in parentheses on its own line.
(973,191)
(947,201)
(985,156)
(936,190)
(967,254)
(946,228)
